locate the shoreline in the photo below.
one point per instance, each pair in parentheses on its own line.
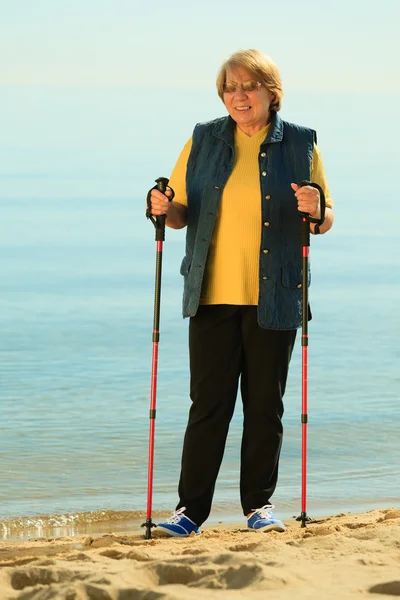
(98,522)
(342,556)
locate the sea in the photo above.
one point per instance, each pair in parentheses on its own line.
(77,265)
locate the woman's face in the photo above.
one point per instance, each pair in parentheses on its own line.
(250,110)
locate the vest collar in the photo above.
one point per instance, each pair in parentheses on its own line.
(224,129)
(275,132)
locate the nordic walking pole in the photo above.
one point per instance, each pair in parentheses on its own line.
(305,243)
(159,225)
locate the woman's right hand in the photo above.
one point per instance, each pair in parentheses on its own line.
(160,202)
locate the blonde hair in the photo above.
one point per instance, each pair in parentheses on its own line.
(261,67)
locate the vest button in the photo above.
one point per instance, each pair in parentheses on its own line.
(263,154)
(265,251)
(268,197)
(299,285)
(265,277)
(264,173)
(266,224)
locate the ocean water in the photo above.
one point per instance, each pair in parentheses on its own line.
(76,312)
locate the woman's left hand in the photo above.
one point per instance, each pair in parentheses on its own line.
(308,200)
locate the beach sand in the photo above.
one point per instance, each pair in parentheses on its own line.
(342,556)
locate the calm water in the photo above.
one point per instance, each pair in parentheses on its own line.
(76,317)
(76,311)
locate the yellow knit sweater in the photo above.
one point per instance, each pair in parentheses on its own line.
(231,274)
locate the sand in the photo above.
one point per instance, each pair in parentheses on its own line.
(343,556)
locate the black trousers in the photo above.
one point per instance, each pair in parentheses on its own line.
(226,344)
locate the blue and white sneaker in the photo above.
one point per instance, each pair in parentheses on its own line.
(264,520)
(179,525)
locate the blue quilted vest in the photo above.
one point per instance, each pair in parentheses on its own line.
(285,157)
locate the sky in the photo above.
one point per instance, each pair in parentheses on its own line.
(97,97)
(317,44)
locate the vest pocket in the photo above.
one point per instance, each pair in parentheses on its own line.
(292,276)
(185,265)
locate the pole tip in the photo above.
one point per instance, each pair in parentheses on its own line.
(304,519)
(148,524)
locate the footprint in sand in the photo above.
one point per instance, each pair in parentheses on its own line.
(20,579)
(391,588)
(80,591)
(58,584)
(227,572)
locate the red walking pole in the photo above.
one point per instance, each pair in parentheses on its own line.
(159,224)
(305,243)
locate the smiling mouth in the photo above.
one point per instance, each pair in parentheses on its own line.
(242,108)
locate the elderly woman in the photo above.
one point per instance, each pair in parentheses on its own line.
(236,190)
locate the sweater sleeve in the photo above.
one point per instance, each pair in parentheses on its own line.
(318,175)
(178,176)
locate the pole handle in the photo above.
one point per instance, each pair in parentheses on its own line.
(306,219)
(159,220)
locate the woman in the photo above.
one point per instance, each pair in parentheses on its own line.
(236,190)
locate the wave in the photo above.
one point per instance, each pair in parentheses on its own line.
(69,524)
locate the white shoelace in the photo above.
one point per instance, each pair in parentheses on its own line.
(176,517)
(263,511)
